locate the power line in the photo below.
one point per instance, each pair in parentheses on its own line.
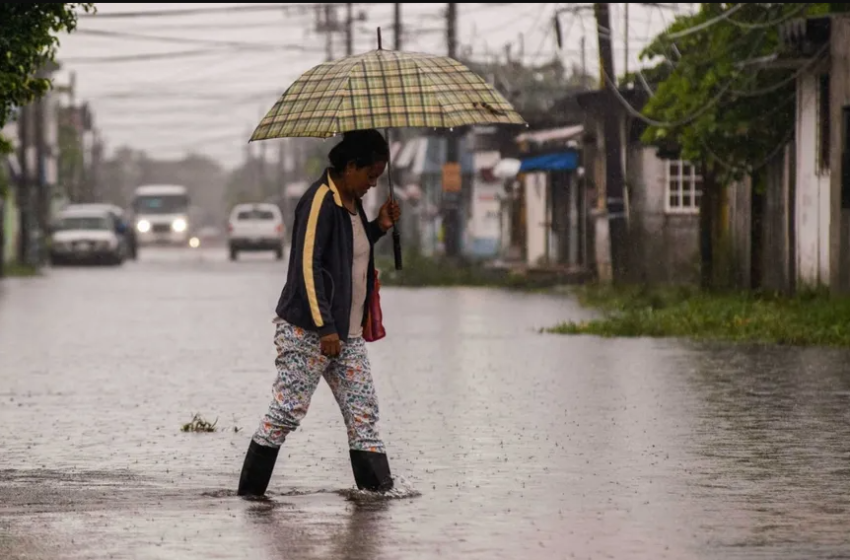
(173,95)
(707,106)
(706,24)
(136,57)
(816,58)
(228,25)
(188,40)
(768,24)
(546,34)
(284,8)
(180,77)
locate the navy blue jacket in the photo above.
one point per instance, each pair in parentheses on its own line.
(317,294)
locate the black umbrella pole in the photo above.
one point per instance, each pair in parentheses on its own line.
(396,234)
(397,247)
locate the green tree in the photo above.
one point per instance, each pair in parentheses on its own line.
(717,98)
(28,41)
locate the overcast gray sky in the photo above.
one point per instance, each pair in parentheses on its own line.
(172,84)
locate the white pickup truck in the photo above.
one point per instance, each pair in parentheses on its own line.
(255,227)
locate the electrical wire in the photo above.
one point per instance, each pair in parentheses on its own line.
(816,58)
(611,86)
(512,22)
(751,169)
(775,87)
(284,8)
(136,57)
(706,24)
(227,25)
(142,92)
(546,34)
(189,40)
(181,77)
(778,21)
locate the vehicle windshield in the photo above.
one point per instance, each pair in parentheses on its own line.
(255,215)
(162,204)
(77,223)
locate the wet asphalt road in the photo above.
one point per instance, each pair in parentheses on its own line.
(508,443)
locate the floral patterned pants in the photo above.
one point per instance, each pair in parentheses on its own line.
(300,365)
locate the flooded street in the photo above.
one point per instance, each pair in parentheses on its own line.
(509,443)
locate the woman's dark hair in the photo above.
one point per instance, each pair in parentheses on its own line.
(363,147)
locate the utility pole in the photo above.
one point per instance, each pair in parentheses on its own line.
(281,177)
(25,184)
(329,30)
(397,25)
(248,187)
(614,180)
(96,166)
(626,39)
(349,29)
(41,195)
(584,61)
(452,192)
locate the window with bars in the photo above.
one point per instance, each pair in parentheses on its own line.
(684,187)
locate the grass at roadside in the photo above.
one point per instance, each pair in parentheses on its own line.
(808,319)
(418,271)
(15,270)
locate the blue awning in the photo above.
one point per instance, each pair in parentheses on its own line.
(561,161)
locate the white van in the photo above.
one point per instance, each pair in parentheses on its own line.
(255,227)
(161,215)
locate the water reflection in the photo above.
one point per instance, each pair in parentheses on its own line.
(773,439)
(327,534)
(523,445)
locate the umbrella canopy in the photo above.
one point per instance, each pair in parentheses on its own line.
(385,89)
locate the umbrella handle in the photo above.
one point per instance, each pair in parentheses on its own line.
(396,234)
(397,247)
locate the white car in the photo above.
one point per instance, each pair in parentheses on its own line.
(255,227)
(87,234)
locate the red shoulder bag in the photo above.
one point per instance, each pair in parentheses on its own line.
(374,328)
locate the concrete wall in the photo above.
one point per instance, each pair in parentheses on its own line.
(536,219)
(740,201)
(599,248)
(664,246)
(777,235)
(839,222)
(778,260)
(812,190)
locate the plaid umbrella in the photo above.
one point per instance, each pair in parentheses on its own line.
(384,89)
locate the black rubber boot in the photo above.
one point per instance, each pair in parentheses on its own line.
(257,469)
(371,471)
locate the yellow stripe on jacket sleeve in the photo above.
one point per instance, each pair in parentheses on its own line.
(309,250)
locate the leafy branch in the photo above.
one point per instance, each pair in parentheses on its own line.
(738,111)
(28,43)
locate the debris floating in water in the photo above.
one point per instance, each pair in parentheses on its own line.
(198,424)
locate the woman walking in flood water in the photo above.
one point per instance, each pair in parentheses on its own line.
(322,311)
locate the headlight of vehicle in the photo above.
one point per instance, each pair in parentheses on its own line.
(143,226)
(179,225)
